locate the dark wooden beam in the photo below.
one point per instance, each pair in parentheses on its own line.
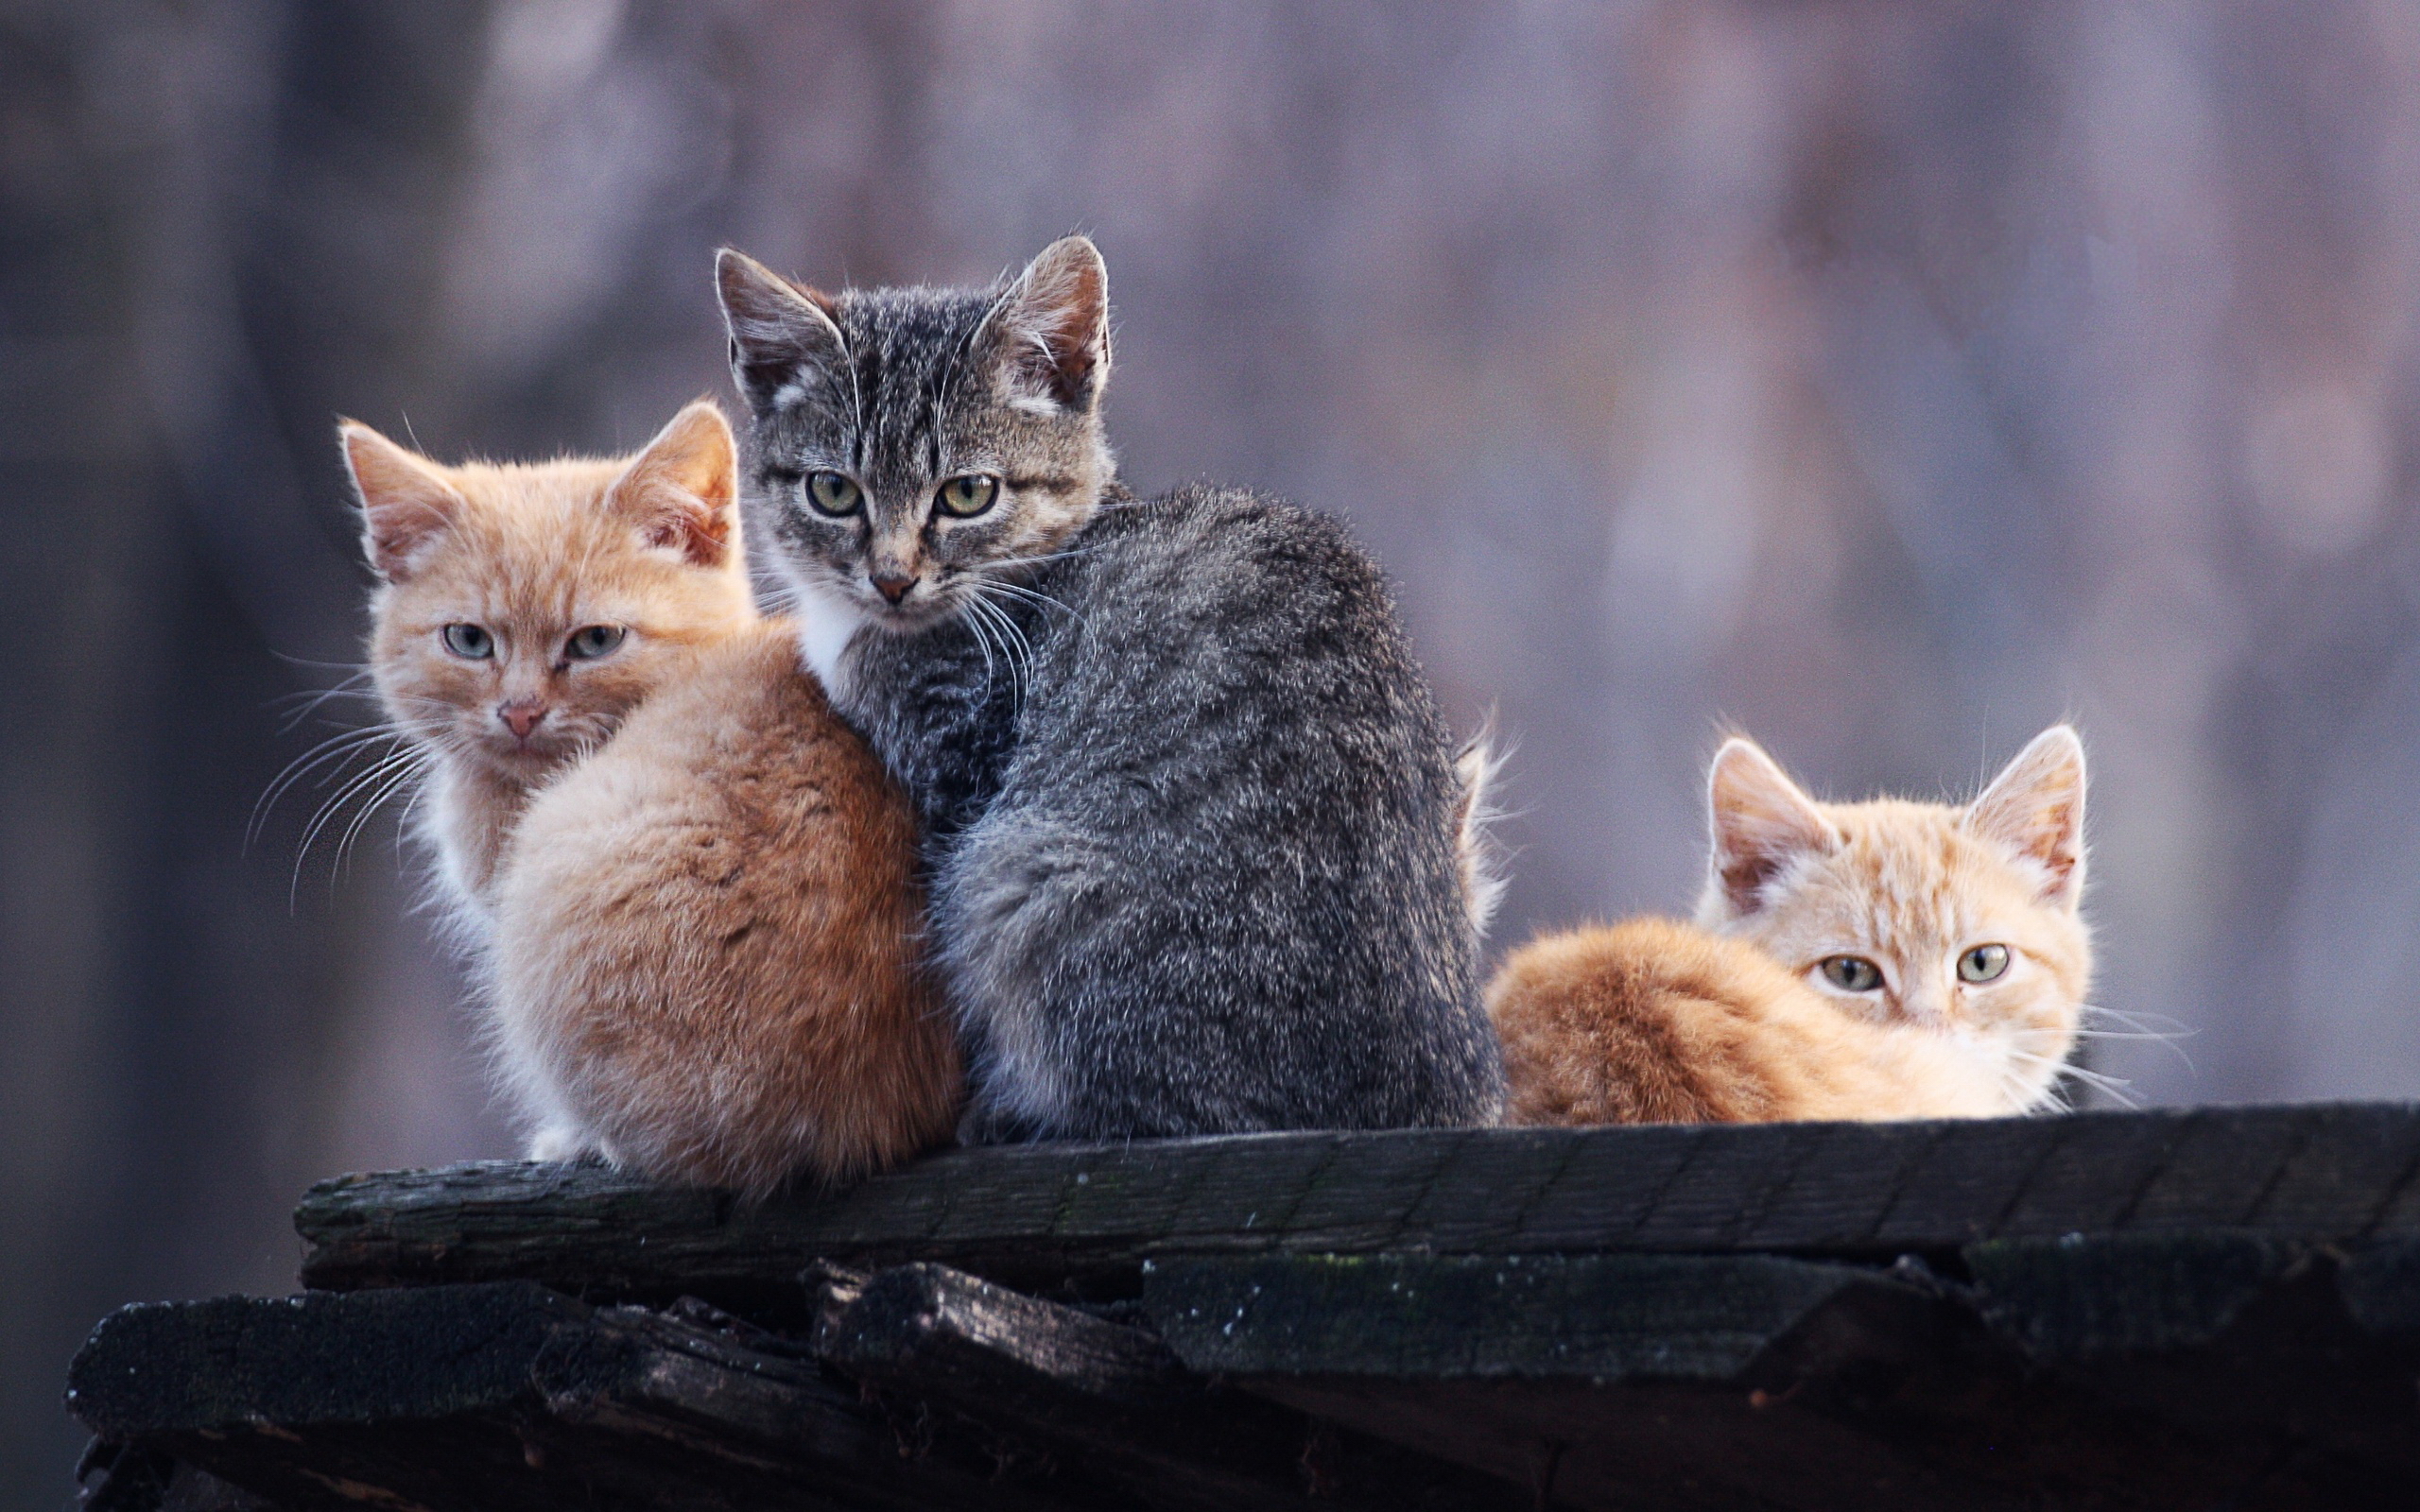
(510,1396)
(1040,1216)
(2150,1370)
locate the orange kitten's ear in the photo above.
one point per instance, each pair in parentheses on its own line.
(1762,822)
(2035,808)
(407,501)
(1049,333)
(683,490)
(785,345)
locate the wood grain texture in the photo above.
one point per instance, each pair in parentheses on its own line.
(1042,1214)
(1112,1399)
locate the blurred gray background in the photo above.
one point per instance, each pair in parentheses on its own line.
(1890,380)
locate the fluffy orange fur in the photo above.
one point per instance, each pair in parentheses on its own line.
(1887,959)
(705,937)
(690,887)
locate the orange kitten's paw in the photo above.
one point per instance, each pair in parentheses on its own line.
(560,1143)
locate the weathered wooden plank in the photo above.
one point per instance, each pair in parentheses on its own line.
(2153,1370)
(1039,1215)
(1598,1319)
(509,1396)
(1116,1400)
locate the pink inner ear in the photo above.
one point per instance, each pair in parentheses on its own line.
(2035,808)
(405,501)
(702,535)
(1761,823)
(1056,325)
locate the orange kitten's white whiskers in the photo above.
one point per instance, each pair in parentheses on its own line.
(334,751)
(401,766)
(2116,1088)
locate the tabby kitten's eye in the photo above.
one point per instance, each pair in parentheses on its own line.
(469,641)
(1851,973)
(591,640)
(834,494)
(970,496)
(1983,962)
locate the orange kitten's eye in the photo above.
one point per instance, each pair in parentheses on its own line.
(1983,962)
(469,641)
(970,496)
(590,641)
(834,494)
(1851,973)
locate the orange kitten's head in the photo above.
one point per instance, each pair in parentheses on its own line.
(1961,922)
(522,611)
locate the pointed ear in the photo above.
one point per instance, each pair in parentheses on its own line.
(1048,339)
(1762,822)
(2035,808)
(784,344)
(683,490)
(407,500)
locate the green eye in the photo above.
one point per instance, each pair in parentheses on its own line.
(469,641)
(1851,973)
(970,496)
(1983,962)
(590,641)
(835,495)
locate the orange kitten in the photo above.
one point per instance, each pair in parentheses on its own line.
(1887,959)
(693,886)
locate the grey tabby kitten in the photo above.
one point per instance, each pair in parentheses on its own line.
(1189,811)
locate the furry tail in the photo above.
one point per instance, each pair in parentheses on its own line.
(1476,855)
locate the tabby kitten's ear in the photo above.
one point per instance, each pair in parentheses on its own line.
(784,344)
(682,492)
(2035,808)
(406,502)
(1047,341)
(1762,822)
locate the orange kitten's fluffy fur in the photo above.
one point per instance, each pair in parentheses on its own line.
(1886,959)
(690,887)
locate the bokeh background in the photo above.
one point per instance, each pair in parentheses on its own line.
(1891,380)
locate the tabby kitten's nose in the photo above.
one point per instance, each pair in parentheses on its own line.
(892,587)
(521,718)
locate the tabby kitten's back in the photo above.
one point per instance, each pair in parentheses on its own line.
(1885,960)
(1189,804)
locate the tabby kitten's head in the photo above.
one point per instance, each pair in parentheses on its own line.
(912,443)
(1963,921)
(523,610)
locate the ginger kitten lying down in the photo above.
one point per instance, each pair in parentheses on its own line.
(690,887)
(1887,959)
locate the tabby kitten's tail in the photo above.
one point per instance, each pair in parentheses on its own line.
(1478,855)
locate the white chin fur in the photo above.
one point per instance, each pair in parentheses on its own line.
(826,623)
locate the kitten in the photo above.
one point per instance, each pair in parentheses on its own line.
(692,886)
(1190,809)
(1887,959)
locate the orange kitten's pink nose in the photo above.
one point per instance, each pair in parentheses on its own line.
(521,718)
(891,587)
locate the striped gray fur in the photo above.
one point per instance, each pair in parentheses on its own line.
(1191,808)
